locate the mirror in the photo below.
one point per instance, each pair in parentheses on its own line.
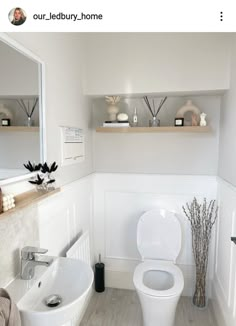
(21,115)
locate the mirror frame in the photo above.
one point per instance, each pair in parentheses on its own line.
(42,125)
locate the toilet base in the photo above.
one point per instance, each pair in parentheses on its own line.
(158,311)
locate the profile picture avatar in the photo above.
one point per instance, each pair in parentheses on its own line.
(17,16)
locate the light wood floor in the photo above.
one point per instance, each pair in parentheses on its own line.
(116,307)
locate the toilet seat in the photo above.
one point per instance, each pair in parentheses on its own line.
(158,265)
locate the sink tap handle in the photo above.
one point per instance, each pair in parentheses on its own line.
(29,252)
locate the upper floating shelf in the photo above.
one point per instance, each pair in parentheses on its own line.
(152,129)
(19,128)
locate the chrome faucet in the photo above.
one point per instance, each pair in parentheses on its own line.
(29,261)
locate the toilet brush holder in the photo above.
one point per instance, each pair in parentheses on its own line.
(99,276)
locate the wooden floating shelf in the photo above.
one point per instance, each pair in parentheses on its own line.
(19,128)
(152,129)
(28,198)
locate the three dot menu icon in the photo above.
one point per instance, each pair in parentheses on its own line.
(221,16)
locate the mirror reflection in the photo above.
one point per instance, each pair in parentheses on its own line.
(19,111)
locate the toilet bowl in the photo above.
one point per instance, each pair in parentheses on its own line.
(158,281)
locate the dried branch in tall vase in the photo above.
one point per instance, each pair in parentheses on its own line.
(202,218)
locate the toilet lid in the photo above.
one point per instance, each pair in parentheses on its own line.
(159,235)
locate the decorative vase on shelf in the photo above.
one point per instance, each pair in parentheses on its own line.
(29,122)
(202,217)
(43,180)
(28,107)
(154,122)
(112,109)
(41,188)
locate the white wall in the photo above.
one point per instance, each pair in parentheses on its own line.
(227,146)
(19,74)
(119,201)
(161,153)
(129,63)
(66,105)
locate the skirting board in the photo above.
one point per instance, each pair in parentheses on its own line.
(124,280)
(217,308)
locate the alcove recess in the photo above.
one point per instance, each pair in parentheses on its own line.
(206,102)
(28,198)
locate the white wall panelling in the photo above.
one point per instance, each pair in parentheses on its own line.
(70,213)
(120,199)
(224,284)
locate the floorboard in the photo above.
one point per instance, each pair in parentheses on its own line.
(116,307)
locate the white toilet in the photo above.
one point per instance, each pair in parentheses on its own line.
(158,281)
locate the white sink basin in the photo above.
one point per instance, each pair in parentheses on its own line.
(68,278)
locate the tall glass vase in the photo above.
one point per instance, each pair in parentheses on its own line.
(202,218)
(154,122)
(29,122)
(200,292)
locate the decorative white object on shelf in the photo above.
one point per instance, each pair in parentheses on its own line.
(203,119)
(8,202)
(112,108)
(122,117)
(189,107)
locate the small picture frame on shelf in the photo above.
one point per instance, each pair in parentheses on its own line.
(179,122)
(6,122)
